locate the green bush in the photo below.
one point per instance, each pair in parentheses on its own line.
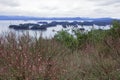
(115,30)
(67,39)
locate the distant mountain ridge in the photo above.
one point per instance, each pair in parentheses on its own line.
(5,17)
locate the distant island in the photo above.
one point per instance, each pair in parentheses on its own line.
(64,21)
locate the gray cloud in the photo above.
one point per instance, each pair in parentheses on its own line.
(112,2)
(49,8)
(102,11)
(61,8)
(11,3)
(105,2)
(117,5)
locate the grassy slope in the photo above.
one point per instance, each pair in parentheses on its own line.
(27,58)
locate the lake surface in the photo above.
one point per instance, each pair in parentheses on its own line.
(49,33)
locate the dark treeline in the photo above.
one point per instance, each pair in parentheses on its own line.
(45,25)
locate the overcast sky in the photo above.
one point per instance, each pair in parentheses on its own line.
(61,8)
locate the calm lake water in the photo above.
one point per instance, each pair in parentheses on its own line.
(49,33)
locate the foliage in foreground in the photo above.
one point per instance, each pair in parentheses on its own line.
(27,58)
